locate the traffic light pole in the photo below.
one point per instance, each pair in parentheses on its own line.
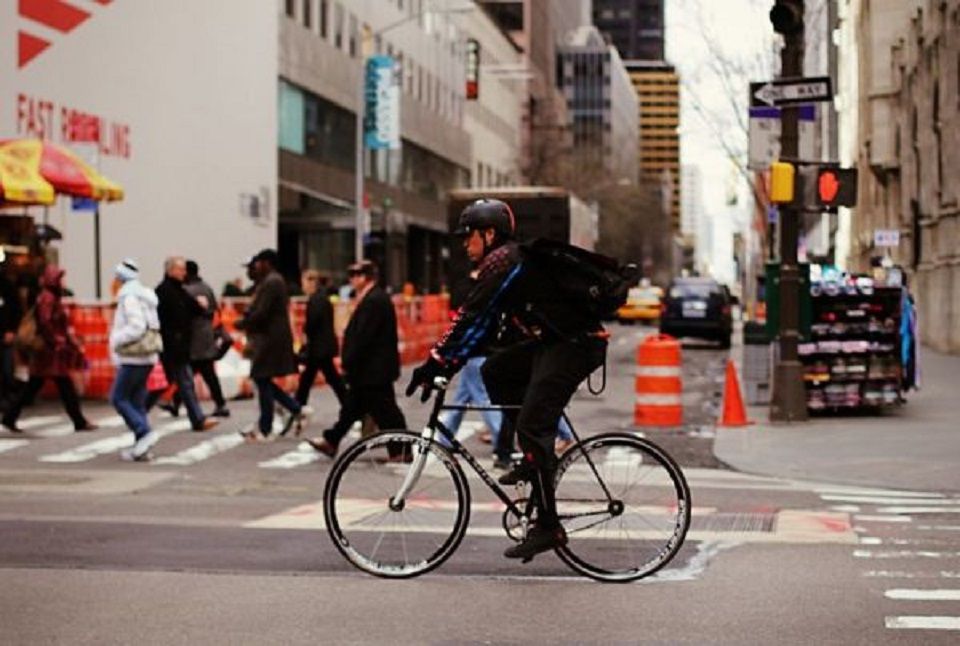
(789,394)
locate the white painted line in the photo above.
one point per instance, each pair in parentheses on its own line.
(870,540)
(900,574)
(868,518)
(60,430)
(904,554)
(863,491)
(908,594)
(109,445)
(113,421)
(40,420)
(924,623)
(939,528)
(919,510)
(850,509)
(9,445)
(876,500)
(202,451)
(304,454)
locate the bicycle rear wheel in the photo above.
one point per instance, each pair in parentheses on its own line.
(390,540)
(637,529)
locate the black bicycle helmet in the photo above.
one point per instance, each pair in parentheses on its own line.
(488,214)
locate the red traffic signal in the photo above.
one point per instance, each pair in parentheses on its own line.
(836,186)
(787,16)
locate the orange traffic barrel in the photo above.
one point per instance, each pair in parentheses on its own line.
(658,384)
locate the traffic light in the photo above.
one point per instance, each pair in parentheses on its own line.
(787,16)
(836,186)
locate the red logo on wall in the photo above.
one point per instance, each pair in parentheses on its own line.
(54,14)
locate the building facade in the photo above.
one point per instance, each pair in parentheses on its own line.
(601,103)
(188,131)
(637,28)
(323,44)
(907,55)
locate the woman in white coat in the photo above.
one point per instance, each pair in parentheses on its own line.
(134,344)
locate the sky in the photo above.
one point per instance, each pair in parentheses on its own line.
(718,46)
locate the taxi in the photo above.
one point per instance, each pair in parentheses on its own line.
(643,304)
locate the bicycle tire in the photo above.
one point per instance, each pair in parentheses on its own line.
(361,523)
(649,531)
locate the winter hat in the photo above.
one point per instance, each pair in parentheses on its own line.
(126,270)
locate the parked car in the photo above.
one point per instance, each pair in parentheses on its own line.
(643,304)
(700,308)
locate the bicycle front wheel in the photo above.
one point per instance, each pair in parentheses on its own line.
(380,535)
(626,510)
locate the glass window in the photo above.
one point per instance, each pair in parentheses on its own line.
(354,36)
(338,17)
(308,13)
(323,19)
(291,117)
(328,132)
(290,8)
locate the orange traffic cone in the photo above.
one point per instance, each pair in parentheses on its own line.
(734,413)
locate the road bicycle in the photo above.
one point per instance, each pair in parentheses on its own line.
(397,504)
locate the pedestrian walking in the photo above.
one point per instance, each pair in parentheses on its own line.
(10,315)
(270,345)
(176,310)
(203,341)
(59,355)
(134,343)
(371,363)
(321,339)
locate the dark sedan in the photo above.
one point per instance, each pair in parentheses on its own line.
(700,308)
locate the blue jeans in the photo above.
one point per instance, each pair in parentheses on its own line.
(129,396)
(267,393)
(470,390)
(182,375)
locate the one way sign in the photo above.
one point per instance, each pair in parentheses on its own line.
(791,91)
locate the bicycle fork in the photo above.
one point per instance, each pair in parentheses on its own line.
(398,500)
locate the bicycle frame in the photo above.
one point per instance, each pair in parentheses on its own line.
(429,435)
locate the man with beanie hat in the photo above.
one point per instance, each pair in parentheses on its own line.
(134,342)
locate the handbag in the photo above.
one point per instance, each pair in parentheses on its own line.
(28,339)
(150,343)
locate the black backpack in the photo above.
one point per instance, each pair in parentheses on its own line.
(591,281)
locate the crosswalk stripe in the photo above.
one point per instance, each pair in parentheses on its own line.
(202,451)
(109,445)
(923,623)
(40,420)
(874,518)
(875,493)
(888,500)
(908,594)
(919,510)
(901,554)
(303,454)
(900,574)
(9,445)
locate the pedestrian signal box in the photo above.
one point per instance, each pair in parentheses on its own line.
(836,186)
(782,180)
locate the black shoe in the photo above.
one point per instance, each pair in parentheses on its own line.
(11,426)
(537,541)
(221,411)
(523,472)
(170,408)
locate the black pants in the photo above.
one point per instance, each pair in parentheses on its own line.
(324,365)
(68,395)
(378,401)
(540,378)
(206,370)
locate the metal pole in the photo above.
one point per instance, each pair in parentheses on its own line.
(789,394)
(358,167)
(96,249)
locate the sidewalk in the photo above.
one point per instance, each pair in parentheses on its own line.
(916,446)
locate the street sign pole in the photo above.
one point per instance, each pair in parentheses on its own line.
(789,394)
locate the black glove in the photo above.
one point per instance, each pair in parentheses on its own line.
(424,376)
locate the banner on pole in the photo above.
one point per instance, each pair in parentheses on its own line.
(381,122)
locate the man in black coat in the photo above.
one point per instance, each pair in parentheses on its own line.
(270,344)
(10,315)
(176,310)
(370,360)
(321,340)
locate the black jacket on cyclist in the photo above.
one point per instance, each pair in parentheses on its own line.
(512,299)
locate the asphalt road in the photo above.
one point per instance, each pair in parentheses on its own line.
(220,542)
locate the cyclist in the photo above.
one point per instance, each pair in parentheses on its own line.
(557,347)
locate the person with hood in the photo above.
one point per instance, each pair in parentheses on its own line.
(59,356)
(134,345)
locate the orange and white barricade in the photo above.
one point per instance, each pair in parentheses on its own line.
(658,384)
